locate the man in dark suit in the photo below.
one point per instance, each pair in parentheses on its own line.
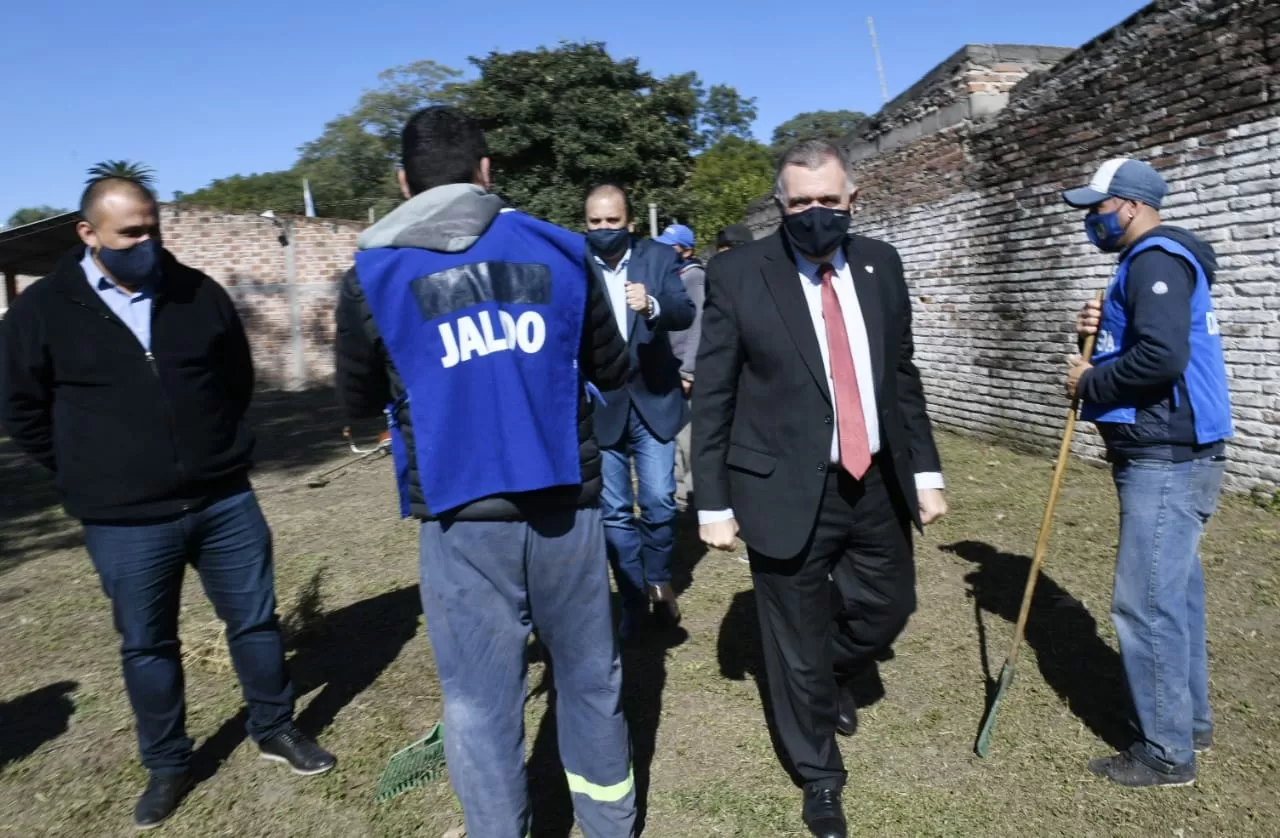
(639,421)
(810,433)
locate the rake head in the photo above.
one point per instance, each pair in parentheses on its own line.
(419,764)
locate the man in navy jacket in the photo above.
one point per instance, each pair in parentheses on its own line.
(639,422)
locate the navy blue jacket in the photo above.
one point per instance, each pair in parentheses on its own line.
(654,383)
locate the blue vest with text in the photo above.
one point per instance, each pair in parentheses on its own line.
(1205,378)
(486,342)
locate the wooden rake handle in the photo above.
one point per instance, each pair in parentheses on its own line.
(1046,523)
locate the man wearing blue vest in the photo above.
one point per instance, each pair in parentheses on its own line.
(639,421)
(1157,389)
(480,331)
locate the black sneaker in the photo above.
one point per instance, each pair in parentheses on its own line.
(299,751)
(160,800)
(1122,768)
(1202,741)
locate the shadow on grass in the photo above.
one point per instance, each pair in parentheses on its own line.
(344,650)
(30,720)
(1073,658)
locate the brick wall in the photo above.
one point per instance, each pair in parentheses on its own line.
(998,265)
(243,252)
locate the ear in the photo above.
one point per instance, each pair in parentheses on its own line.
(853,199)
(483,180)
(631,226)
(404,183)
(88,235)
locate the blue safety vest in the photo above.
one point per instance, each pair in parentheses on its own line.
(1205,378)
(486,341)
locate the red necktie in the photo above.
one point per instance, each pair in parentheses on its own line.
(855,451)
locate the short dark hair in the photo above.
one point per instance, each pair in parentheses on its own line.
(612,187)
(441,145)
(100,187)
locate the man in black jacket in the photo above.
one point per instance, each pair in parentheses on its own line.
(481,332)
(127,375)
(810,430)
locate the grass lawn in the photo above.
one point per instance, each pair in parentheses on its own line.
(346,579)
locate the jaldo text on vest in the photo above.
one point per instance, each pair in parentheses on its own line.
(470,336)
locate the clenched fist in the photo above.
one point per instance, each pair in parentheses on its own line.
(637,297)
(721,535)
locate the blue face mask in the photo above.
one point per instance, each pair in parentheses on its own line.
(1104,230)
(609,243)
(134,266)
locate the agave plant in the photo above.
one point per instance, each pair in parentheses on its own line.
(140,172)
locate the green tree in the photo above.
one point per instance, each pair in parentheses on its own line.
(561,120)
(30,215)
(279,191)
(140,172)
(832,126)
(726,113)
(726,178)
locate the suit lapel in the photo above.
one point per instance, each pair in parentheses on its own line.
(783,281)
(866,282)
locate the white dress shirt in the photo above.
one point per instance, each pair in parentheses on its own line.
(856,328)
(615,282)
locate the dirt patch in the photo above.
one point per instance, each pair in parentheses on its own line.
(347,575)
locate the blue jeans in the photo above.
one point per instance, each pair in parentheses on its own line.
(639,550)
(1158,602)
(141,567)
(485,584)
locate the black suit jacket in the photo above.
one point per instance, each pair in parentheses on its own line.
(762,416)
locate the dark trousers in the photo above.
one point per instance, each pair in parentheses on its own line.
(141,567)
(816,631)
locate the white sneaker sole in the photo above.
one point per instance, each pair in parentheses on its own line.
(312,773)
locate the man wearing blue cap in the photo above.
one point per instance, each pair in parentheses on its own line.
(1157,389)
(685,344)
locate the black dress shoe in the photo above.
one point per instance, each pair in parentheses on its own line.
(160,800)
(847,720)
(299,751)
(664,602)
(823,813)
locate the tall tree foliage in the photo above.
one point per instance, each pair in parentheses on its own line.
(726,178)
(832,126)
(140,172)
(727,113)
(561,120)
(30,215)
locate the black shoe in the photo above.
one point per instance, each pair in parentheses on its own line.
(1202,741)
(299,751)
(160,800)
(1123,769)
(664,602)
(823,813)
(847,720)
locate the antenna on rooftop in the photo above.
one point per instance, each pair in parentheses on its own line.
(875,48)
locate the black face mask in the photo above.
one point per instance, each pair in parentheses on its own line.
(609,243)
(818,231)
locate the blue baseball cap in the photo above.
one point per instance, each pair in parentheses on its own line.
(1121,177)
(676,235)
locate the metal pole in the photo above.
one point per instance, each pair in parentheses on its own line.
(295,309)
(370,215)
(875,47)
(653,220)
(10,288)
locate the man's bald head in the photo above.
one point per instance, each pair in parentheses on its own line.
(115,190)
(117,213)
(608,206)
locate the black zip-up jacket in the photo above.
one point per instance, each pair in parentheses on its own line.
(367,382)
(131,435)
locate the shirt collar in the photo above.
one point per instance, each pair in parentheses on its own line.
(622,263)
(810,269)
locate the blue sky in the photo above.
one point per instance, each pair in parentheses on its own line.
(200,91)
